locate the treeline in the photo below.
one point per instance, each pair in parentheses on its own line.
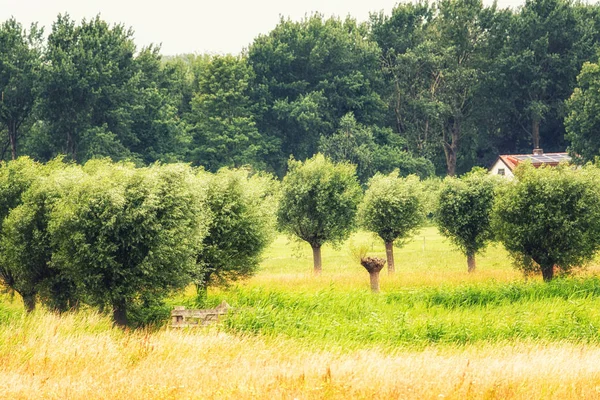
(429,88)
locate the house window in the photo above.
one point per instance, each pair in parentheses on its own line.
(500,171)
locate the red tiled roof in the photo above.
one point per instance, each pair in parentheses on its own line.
(537,160)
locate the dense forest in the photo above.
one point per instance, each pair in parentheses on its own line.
(429,88)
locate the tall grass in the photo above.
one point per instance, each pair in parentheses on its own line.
(80,356)
(566,310)
(434,332)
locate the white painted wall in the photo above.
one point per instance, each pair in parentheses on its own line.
(495,170)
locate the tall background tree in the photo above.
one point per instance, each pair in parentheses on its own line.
(311,73)
(547,43)
(222,119)
(20,65)
(583,119)
(101,98)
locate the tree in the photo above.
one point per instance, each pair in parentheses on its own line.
(547,43)
(391,208)
(16,177)
(460,32)
(242,222)
(583,120)
(224,132)
(309,74)
(27,246)
(102,97)
(549,218)
(435,59)
(124,234)
(371,150)
(20,65)
(318,203)
(464,212)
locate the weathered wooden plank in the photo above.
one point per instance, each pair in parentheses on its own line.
(181,317)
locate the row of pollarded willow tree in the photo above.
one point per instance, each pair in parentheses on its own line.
(121,238)
(548,218)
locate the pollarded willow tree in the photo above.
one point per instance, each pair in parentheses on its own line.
(124,233)
(318,203)
(392,209)
(464,211)
(16,177)
(549,218)
(26,245)
(242,224)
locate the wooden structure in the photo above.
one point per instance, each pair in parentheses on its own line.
(182,318)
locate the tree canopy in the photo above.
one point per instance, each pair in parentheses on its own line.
(392,209)
(549,218)
(464,212)
(318,204)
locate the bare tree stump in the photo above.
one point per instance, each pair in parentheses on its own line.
(373,265)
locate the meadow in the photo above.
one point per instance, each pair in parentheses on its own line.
(434,331)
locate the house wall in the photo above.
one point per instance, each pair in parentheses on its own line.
(498,166)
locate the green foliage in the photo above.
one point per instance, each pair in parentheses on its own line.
(358,145)
(583,121)
(319,200)
(391,207)
(222,118)
(27,245)
(464,211)
(549,217)
(20,65)
(430,194)
(122,232)
(101,97)
(311,73)
(16,177)
(242,224)
(548,42)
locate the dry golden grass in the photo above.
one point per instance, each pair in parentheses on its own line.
(79,356)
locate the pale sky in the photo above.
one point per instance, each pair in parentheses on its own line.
(186,26)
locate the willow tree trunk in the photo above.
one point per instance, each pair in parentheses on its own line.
(374,277)
(547,272)
(389,253)
(373,265)
(12,135)
(317,260)
(451,147)
(471,265)
(120,313)
(29,302)
(535,132)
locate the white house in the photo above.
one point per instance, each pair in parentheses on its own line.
(505,164)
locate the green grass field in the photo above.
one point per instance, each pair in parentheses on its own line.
(430,300)
(434,331)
